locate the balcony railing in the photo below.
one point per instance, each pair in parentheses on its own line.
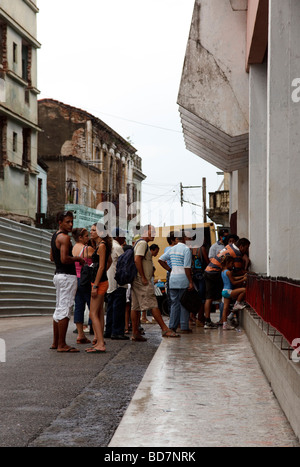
(277,302)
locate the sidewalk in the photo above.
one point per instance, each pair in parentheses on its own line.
(205,389)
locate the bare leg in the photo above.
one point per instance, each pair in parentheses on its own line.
(135,321)
(239,294)
(55,335)
(225,309)
(62,327)
(144,317)
(62,332)
(97,317)
(81,334)
(157,316)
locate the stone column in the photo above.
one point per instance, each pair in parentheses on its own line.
(258,168)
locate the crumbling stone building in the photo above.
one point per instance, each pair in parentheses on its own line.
(88,162)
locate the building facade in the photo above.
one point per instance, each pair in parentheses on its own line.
(18,110)
(239,101)
(89,164)
(219,202)
(239,105)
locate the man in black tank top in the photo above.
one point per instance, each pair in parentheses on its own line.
(65,280)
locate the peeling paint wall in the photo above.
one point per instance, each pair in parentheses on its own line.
(88,161)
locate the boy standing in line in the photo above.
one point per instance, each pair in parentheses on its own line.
(65,280)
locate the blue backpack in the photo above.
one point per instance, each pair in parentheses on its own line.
(126,270)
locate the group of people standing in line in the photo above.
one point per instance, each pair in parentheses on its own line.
(221,272)
(218,276)
(102,251)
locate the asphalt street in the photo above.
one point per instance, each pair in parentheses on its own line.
(50,399)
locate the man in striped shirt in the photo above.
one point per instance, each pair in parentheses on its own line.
(212,274)
(178,260)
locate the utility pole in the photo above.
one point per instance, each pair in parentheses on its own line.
(204,199)
(181,194)
(203,186)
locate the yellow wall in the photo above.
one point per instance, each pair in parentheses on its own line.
(207,229)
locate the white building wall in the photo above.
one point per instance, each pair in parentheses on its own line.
(44,200)
(258,168)
(242,217)
(283,162)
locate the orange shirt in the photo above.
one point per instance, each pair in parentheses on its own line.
(229,250)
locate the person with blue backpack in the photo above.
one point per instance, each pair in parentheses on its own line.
(143,294)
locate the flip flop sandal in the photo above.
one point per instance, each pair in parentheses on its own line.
(95,351)
(84,340)
(69,350)
(170,332)
(138,338)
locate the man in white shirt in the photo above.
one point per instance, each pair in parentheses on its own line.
(116,302)
(178,260)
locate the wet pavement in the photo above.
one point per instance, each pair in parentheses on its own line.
(50,399)
(205,389)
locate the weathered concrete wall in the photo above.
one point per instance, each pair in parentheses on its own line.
(282,374)
(18,110)
(213,94)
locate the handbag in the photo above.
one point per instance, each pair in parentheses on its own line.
(191,301)
(86,275)
(197,274)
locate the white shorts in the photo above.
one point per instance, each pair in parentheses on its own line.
(66,288)
(226,293)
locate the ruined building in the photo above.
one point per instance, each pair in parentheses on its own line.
(88,163)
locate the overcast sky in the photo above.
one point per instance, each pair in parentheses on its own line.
(122,60)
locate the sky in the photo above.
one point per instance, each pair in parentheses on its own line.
(122,60)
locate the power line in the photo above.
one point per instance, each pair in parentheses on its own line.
(137,122)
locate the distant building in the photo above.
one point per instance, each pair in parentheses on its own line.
(88,163)
(219,202)
(18,110)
